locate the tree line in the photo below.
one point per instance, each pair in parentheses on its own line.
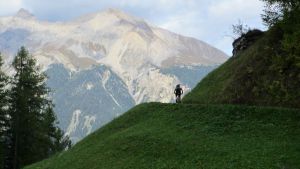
(28,125)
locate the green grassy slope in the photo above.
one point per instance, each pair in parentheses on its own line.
(157,136)
(260,75)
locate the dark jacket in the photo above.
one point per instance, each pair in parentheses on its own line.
(178,91)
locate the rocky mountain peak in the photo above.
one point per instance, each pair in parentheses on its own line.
(112,12)
(116,12)
(25,14)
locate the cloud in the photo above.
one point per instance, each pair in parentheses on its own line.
(230,11)
(186,23)
(224,43)
(8,7)
(232,8)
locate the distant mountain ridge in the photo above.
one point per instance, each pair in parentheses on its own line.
(144,61)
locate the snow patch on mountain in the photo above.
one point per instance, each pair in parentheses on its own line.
(89,86)
(88,123)
(74,122)
(105,76)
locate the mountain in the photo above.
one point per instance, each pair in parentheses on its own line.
(102,64)
(191,136)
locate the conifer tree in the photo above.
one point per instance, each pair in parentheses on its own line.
(3,113)
(33,130)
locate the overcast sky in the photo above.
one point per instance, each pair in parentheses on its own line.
(207,20)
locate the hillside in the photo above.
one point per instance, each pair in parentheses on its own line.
(263,74)
(156,135)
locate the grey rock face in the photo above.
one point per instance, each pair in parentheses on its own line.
(12,39)
(88,99)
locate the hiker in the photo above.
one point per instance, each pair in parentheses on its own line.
(178,92)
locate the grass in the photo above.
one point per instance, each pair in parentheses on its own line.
(257,76)
(188,136)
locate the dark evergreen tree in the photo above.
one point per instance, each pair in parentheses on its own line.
(58,142)
(33,123)
(3,113)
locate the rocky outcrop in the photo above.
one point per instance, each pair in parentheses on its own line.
(246,40)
